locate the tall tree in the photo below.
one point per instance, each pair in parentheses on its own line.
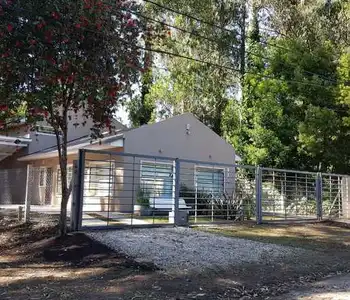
(141,107)
(192,86)
(63,56)
(291,113)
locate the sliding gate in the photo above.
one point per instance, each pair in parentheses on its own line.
(113,189)
(118,189)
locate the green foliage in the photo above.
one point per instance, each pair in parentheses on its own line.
(295,107)
(60,57)
(141,107)
(142,197)
(189,86)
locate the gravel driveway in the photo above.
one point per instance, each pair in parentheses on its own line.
(179,250)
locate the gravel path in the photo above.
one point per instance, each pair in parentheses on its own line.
(179,250)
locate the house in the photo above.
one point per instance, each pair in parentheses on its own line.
(121,177)
(17,143)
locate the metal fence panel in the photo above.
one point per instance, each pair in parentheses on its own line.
(288,195)
(121,189)
(334,196)
(215,193)
(127,190)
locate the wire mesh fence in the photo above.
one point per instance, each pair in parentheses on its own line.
(41,186)
(12,186)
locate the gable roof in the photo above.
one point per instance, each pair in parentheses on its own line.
(73,146)
(184,116)
(116,140)
(9,145)
(169,138)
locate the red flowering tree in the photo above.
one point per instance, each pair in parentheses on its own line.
(62,56)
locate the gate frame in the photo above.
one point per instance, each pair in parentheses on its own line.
(79,175)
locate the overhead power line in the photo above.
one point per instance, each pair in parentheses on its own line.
(189,16)
(213,40)
(168,53)
(227,30)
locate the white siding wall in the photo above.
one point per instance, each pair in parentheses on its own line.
(181,137)
(170,138)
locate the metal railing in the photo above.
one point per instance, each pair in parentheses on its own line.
(120,189)
(289,195)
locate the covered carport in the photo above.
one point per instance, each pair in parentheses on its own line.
(12,180)
(9,145)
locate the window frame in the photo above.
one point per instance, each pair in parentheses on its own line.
(43,184)
(171,164)
(209,167)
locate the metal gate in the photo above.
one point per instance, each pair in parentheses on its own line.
(289,195)
(113,189)
(120,189)
(298,195)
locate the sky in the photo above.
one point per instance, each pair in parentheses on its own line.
(122,116)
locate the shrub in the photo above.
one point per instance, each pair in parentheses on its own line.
(142,197)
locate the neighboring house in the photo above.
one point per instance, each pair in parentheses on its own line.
(17,143)
(182,136)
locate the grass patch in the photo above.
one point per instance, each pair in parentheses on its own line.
(110,221)
(316,236)
(153,220)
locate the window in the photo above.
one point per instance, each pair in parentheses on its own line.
(44,129)
(210,180)
(157,178)
(98,179)
(42,177)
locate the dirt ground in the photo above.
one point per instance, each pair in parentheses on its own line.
(36,265)
(335,288)
(324,236)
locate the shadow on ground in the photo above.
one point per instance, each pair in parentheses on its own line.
(36,265)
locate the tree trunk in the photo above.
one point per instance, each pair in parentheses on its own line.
(62,153)
(65,193)
(243,42)
(63,217)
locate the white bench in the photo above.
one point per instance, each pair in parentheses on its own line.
(166,203)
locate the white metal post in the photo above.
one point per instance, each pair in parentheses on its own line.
(258,194)
(196,195)
(27,199)
(177,191)
(74,206)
